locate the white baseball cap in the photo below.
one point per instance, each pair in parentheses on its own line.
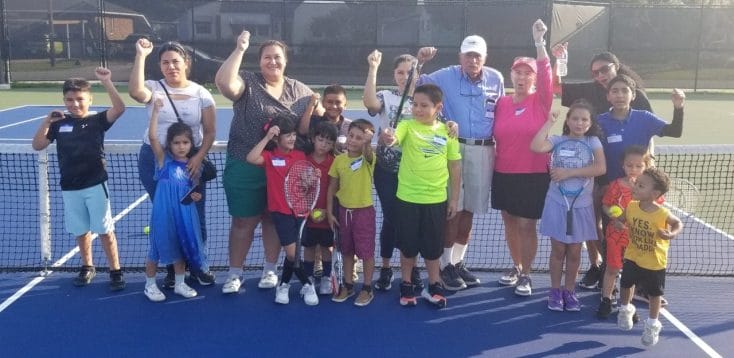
(474,43)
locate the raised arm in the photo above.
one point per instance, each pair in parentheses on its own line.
(227,79)
(369,96)
(255,156)
(556,82)
(136,85)
(157,147)
(118,106)
(304,125)
(540,143)
(675,128)
(40,141)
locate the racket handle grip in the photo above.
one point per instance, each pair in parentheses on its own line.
(569,223)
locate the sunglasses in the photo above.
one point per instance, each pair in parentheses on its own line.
(603,70)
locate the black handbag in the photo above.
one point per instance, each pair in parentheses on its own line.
(208,169)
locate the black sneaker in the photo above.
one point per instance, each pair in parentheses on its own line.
(415,278)
(451,279)
(170,280)
(600,283)
(466,275)
(615,295)
(407,297)
(605,308)
(384,283)
(204,278)
(117,283)
(591,278)
(635,318)
(434,294)
(86,274)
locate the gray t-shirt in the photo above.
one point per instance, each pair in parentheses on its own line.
(256,106)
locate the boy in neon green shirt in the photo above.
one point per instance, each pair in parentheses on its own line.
(431,162)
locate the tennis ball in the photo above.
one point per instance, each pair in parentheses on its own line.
(317,214)
(615,211)
(146,230)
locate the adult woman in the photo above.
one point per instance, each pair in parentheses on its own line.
(520,180)
(195,107)
(257,98)
(604,66)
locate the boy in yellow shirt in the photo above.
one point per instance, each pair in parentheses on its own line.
(431,162)
(650,227)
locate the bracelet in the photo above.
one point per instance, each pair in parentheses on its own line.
(540,44)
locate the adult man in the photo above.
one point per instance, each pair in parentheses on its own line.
(470,93)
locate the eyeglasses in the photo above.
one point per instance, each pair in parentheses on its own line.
(603,70)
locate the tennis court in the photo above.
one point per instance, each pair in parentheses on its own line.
(488,320)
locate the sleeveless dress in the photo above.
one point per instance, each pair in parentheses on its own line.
(175,230)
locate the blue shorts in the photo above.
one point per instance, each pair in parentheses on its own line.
(287,227)
(87,210)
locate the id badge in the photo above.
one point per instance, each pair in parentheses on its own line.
(614,138)
(277,162)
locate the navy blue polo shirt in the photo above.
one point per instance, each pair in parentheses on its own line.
(80,148)
(636,129)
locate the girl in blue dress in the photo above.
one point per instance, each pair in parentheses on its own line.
(579,125)
(175,230)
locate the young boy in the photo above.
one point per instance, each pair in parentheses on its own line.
(79,140)
(351,183)
(650,229)
(318,236)
(430,161)
(334,102)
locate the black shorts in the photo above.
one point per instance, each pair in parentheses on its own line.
(317,236)
(420,229)
(520,195)
(652,280)
(286,226)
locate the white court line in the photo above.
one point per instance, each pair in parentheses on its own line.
(22,122)
(65,258)
(12,108)
(692,336)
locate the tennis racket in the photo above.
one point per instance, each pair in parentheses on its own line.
(389,157)
(682,196)
(337,265)
(301,192)
(571,154)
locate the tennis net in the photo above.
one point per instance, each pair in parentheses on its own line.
(33,232)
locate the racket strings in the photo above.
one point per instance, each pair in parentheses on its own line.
(302,187)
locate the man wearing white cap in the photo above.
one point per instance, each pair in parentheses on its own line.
(470,93)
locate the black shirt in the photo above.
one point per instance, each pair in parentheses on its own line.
(80,148)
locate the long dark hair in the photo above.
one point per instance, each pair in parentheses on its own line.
(177,129)
(594,129)
(622,69)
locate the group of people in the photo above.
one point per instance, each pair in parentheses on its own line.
(461,138)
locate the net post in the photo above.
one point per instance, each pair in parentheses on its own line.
(44,205)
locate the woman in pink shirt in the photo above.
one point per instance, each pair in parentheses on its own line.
(520,180)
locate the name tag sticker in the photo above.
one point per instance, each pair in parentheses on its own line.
(614,138)
(566,153)
(356,164)
(439,140)
(278,162)
(519,111)
(66,129)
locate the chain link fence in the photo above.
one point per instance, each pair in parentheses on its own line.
(689,46)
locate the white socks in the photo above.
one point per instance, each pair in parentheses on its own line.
(445,258)
(235,271)
(458,253)
(149,281)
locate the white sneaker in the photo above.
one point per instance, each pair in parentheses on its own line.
(281,293)
(524,286)
(268,280)
(154,294)
(624,317)
(232,285)
(651,334)
(325,286)
(184,290)
(309,295)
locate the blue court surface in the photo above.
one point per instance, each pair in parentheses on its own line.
(47,316)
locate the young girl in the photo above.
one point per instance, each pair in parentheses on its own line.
(567,248)
(175,234)
(619,193)
(385,104)
(318,234)
(276,163)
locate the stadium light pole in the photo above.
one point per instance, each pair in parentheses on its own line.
(51,34)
